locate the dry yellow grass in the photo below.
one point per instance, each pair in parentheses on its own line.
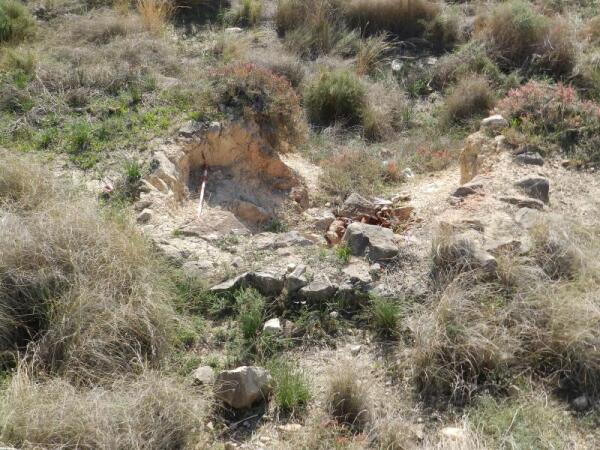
(155,13)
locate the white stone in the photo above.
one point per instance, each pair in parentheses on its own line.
(272,326)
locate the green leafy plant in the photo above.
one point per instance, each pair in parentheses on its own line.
(337,96)
(385,315)
(292,388)
(16,23)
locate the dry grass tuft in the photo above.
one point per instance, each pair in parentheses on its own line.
(464,345)
(155,13)
(471,98)
(151,412)
(519,37)
(80,293)
(402,18)
(371,53)
(348,397)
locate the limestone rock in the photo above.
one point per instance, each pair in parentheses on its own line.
(581,403)
(140,205)
(190,128)
(375,242)
(495,122)
(536,187)
(144,217)
(468,189)
(251,213)
(320,219)
(242,387)
(203,375)
(357,205)
(296,279)
(531,158)
(358,272)
(274,241)
(527,217)
(272,326)
(266,283)
(523,202)
(335,232)
(318,291)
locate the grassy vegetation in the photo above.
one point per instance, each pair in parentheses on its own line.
(99,335)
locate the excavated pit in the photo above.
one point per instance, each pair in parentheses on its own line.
(247,183)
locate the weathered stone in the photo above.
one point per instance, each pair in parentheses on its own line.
(266,283)
(531,158)
(468,189)
(320,219)
(272,326)
(536,187)
(495,122)
(358,272)
(318,291)
(140,205)
(280,240)
(250,213)
(190,128)
(484,260)
(335,232)
(242,387)
(581,403)
(357,205)
(144,217)
(527,217)
(203,375)
(355,349)
(230,285)
(375,242)
(523,202)
(296,279)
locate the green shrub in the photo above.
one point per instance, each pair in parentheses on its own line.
(255,93)
(469,58)
(335,97)
(384,315)
(251,308)
(292,388)
(555,113)
(344,253)
(16,23)
(471,98)
(518,37)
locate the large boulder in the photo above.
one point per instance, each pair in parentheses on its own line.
(536,187)
(242,387)
(374,242)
